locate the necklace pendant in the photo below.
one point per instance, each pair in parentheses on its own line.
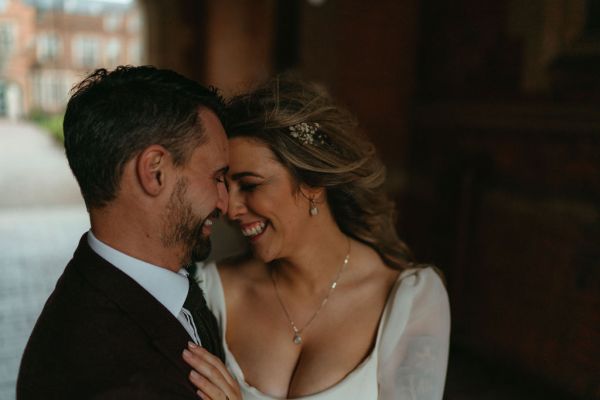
(297,338)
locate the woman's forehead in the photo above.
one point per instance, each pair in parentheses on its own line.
(250,154)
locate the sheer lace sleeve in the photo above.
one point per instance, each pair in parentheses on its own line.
(414,338)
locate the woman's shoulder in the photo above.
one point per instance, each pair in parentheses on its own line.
(414,335)
(418,286)
(419,290)
(422,276)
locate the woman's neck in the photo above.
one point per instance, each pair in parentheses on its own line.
(315,261)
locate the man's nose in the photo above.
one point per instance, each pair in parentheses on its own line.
(223,200)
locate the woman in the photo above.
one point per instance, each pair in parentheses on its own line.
(328,305)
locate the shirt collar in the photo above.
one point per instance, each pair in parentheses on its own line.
(168,287)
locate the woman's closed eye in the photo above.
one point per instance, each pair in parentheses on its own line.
(248,187)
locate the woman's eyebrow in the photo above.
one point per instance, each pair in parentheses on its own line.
(240,175)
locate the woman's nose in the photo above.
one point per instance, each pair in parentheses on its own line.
(236,206)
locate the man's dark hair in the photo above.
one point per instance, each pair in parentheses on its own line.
(114,115)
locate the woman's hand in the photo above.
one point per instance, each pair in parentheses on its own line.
(210,376)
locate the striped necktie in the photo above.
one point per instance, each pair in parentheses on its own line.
(204,319)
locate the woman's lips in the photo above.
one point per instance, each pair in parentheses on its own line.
(254,230)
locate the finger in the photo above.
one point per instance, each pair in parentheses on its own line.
(209,378)
(206,389)
(197,381)
(212,360)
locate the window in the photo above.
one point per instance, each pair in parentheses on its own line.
(7,40)
(50,90)
(48,47)
(57,92)
(113,52)
(112,22)
(135,53)
(86,51)
(133,23)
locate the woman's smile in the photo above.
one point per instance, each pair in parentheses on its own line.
(254,230)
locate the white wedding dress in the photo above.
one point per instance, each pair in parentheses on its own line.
(410,355)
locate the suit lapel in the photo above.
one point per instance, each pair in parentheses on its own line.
(165,331)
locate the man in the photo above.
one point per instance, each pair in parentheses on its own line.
(149,153)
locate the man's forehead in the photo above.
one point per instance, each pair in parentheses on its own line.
(208,115)
(215,147)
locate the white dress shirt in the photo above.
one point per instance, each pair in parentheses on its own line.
(168,287)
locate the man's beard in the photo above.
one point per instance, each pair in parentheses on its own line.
(183,227)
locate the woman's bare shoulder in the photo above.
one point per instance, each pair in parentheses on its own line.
(370,267)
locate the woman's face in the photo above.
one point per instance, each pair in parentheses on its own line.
(263,200)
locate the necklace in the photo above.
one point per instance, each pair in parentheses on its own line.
(298,331)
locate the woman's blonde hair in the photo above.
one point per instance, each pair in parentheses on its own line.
(341,160)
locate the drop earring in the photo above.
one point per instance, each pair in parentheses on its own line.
(313,210)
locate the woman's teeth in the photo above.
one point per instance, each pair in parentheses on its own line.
(254,230)
(208,222)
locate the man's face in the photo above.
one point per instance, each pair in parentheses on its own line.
(199,195)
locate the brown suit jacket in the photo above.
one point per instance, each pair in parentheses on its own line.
(102,336)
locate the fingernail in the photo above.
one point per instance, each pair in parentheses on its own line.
(192,345)
(187,353)
(194,374)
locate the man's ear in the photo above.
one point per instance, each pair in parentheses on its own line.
(151,168)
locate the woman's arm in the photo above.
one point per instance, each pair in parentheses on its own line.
(415,340)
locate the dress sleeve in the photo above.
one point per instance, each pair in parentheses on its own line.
(414,338)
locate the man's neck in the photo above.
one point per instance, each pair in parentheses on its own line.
(134,238)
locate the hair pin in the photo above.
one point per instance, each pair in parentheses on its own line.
(307,133)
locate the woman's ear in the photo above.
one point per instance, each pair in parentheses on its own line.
(151,168)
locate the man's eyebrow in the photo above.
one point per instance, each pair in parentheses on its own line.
(222,171)
(240,175)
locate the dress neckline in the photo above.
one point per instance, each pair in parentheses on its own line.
(371,357)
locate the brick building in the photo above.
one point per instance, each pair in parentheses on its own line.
(17,32)
(47,46)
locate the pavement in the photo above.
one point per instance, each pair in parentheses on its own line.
(42,217)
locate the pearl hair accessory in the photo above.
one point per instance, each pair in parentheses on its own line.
(307,133)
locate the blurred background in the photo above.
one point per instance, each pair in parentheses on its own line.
(486,113)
